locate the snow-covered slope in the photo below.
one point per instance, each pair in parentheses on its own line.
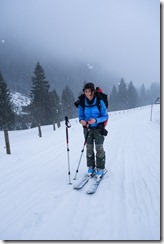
(19,100)
(36,202)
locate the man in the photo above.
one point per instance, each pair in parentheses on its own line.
(90,117)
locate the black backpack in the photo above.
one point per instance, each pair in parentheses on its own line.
(99,95)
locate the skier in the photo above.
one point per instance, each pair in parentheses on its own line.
(91,118)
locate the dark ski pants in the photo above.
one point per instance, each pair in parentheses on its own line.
(95,139)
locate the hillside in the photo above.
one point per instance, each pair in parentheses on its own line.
(19,100)
(38,204)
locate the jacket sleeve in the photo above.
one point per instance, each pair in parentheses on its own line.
(104,114)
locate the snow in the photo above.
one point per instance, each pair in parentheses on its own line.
(37,203)
(19,100)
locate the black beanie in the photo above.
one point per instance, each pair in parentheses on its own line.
(89,85)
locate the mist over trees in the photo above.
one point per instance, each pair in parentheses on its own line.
(67,103)
(126,96)
(47,107)
(132,96)
(59,72)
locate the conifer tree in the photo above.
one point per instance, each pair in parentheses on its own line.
(142,96)
(67,103)
(122,95)
(113,100)
(55,107)
(7,115)
(40,96)
(154,91)
(132,96)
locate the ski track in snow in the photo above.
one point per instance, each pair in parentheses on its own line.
(38,204)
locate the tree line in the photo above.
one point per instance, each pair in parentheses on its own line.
(48,107)
(127,96)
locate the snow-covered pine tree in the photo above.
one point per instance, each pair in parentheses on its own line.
(67,103)
(7,115)
(132,96)
(122,96)
(55,107)
(113,100)
(40,97)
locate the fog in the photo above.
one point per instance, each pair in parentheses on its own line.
(122,36)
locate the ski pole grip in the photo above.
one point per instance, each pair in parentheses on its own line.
(67,123)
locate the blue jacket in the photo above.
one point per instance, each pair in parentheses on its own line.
(92,112)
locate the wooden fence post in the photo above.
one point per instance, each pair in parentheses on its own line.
(58,124)
(6,135)
(39,129)
(54,126)
(151,112)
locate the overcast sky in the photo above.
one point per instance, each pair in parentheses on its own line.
(122,35)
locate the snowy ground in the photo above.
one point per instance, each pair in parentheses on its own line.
(36,203)
(19,100)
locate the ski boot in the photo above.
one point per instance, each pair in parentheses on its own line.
(99,173)
(91,171)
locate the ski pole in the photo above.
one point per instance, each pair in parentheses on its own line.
(68,125)
(86,137)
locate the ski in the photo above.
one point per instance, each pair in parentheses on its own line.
(82,182)
(93,188)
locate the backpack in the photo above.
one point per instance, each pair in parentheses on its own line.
(102,96)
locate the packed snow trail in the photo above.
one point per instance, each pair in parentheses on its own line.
(38,204)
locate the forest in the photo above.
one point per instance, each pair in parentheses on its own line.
(47,107)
